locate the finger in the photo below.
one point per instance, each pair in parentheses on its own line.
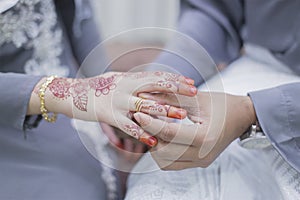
(140,148)
(162,98)
(134,130)
(189,81)
(175,77)
(133,150)
(167,86)
(128,145)
(196,119)
(128,148)
(171,99)
(120,134)
(170,87)
(188,103)
(162,75)
(110,133)
(171,132)
(153,108)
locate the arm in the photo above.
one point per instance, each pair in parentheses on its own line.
(15,95)
(278,112)
(111,98)
(213,24)
(220,119)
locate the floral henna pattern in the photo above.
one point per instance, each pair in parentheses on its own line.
(79,93)
(166,84)
(63,88)
(168,76)
(157,108)
(135,75)
(102,85)
(170,80)
(172,77)
(134,130)
(154,108)
(162,110)
(60,88)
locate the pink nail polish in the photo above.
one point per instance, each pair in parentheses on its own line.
(193,90)
(181,114)
(189,81)
(177,113)
(150,141)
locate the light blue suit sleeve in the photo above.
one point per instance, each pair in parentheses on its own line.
(215,25)
(16,90)
(278,112)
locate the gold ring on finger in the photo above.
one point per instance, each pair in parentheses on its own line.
(138,105)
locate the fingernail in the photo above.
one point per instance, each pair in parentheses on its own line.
(144,95)
(189,81)
(180,113)
(177,113)
(193,90)
(150,141)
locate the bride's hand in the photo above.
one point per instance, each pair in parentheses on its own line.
(112,98)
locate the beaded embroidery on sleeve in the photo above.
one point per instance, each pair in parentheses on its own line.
(32,24)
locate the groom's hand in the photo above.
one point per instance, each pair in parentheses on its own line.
(218,119)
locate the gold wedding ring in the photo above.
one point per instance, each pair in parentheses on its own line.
(138,105)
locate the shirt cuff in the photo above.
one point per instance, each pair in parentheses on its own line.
(278,113)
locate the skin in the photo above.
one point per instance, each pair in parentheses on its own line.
(218,118)
(110,98)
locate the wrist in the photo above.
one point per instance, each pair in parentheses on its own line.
(249,112)
(52,103)
(250,107)
(34,102)
(57,97)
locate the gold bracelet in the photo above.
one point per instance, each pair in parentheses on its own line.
(43,109)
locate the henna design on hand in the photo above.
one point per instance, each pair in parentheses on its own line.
(172,77)
(79,93)
(134,130)
(154,107)
(62,88)
(170,80)
(102,85)
(165,84)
